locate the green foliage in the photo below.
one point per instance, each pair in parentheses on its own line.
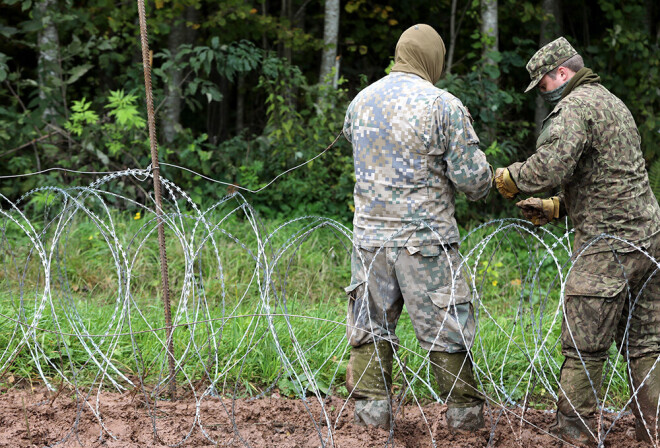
(654,177)
(226,60)
(4,68)
(495,107)
(124,109)
(376,40)
(297,131)
(280,80)
(81,116)
(120,134)
(315,274)
(88,113)
(628,60)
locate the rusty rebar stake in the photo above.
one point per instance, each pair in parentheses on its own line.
(164,279)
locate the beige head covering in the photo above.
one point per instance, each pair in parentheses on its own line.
(421,51)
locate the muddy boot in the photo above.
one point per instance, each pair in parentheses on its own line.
(571,429)
(577,404)
(644,406)
(373,413)
(368,379)
(465,405)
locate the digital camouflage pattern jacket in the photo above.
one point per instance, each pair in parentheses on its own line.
(590,148)
(413,147)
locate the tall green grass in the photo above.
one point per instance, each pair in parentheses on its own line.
(230,332)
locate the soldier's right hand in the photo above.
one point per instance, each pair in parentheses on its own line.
(505,185)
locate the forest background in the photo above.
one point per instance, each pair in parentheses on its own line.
(245,90)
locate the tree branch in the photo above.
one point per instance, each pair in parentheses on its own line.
(24,145)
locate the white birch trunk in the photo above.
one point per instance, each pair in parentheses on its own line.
(489,27)
(48,63)
(330,39)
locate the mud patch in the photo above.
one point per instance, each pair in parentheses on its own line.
(128,421)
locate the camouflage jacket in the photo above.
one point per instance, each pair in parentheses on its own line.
(413,146)
(590,148)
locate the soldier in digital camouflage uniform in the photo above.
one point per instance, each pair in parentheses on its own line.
(413,147)
(589,150)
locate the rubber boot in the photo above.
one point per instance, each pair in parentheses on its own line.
(465,405)
(577,404)
(368,379)
(644,406)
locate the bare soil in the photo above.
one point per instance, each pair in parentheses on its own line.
(269,422)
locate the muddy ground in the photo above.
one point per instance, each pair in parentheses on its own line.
(268,422)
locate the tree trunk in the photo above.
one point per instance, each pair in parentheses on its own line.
(330,39)
(286,16)
(240,103)
(552,25)
(264,13)
(551,28)
(223,122)
(452,36)
(454,29)
(179,35)
(650,19)
(284,48)
(170,122)
(489,24)
(489,29)
(48,64)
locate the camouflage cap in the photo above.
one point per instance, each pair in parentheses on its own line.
(548,58)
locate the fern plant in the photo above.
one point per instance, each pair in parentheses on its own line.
(654,177)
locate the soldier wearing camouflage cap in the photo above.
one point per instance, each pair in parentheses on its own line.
(413,147)
(589,151)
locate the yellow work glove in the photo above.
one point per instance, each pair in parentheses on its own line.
(505,185)
(540,211)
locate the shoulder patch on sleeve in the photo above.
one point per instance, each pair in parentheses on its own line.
(553,113)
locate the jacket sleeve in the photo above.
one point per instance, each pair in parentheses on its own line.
(558,150)
(562,204)
(348,123)
(467,167)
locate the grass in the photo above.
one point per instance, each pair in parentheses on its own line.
(251,322)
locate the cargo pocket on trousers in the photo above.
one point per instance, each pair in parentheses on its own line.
(592,310)
(444,296)
(582,283)
(455,315)
(355,294)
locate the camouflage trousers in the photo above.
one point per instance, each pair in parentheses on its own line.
(613,296)
(609,297)
(427,280)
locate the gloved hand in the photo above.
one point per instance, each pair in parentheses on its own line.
(540,211)
(505,185)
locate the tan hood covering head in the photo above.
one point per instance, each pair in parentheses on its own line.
(421,51)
